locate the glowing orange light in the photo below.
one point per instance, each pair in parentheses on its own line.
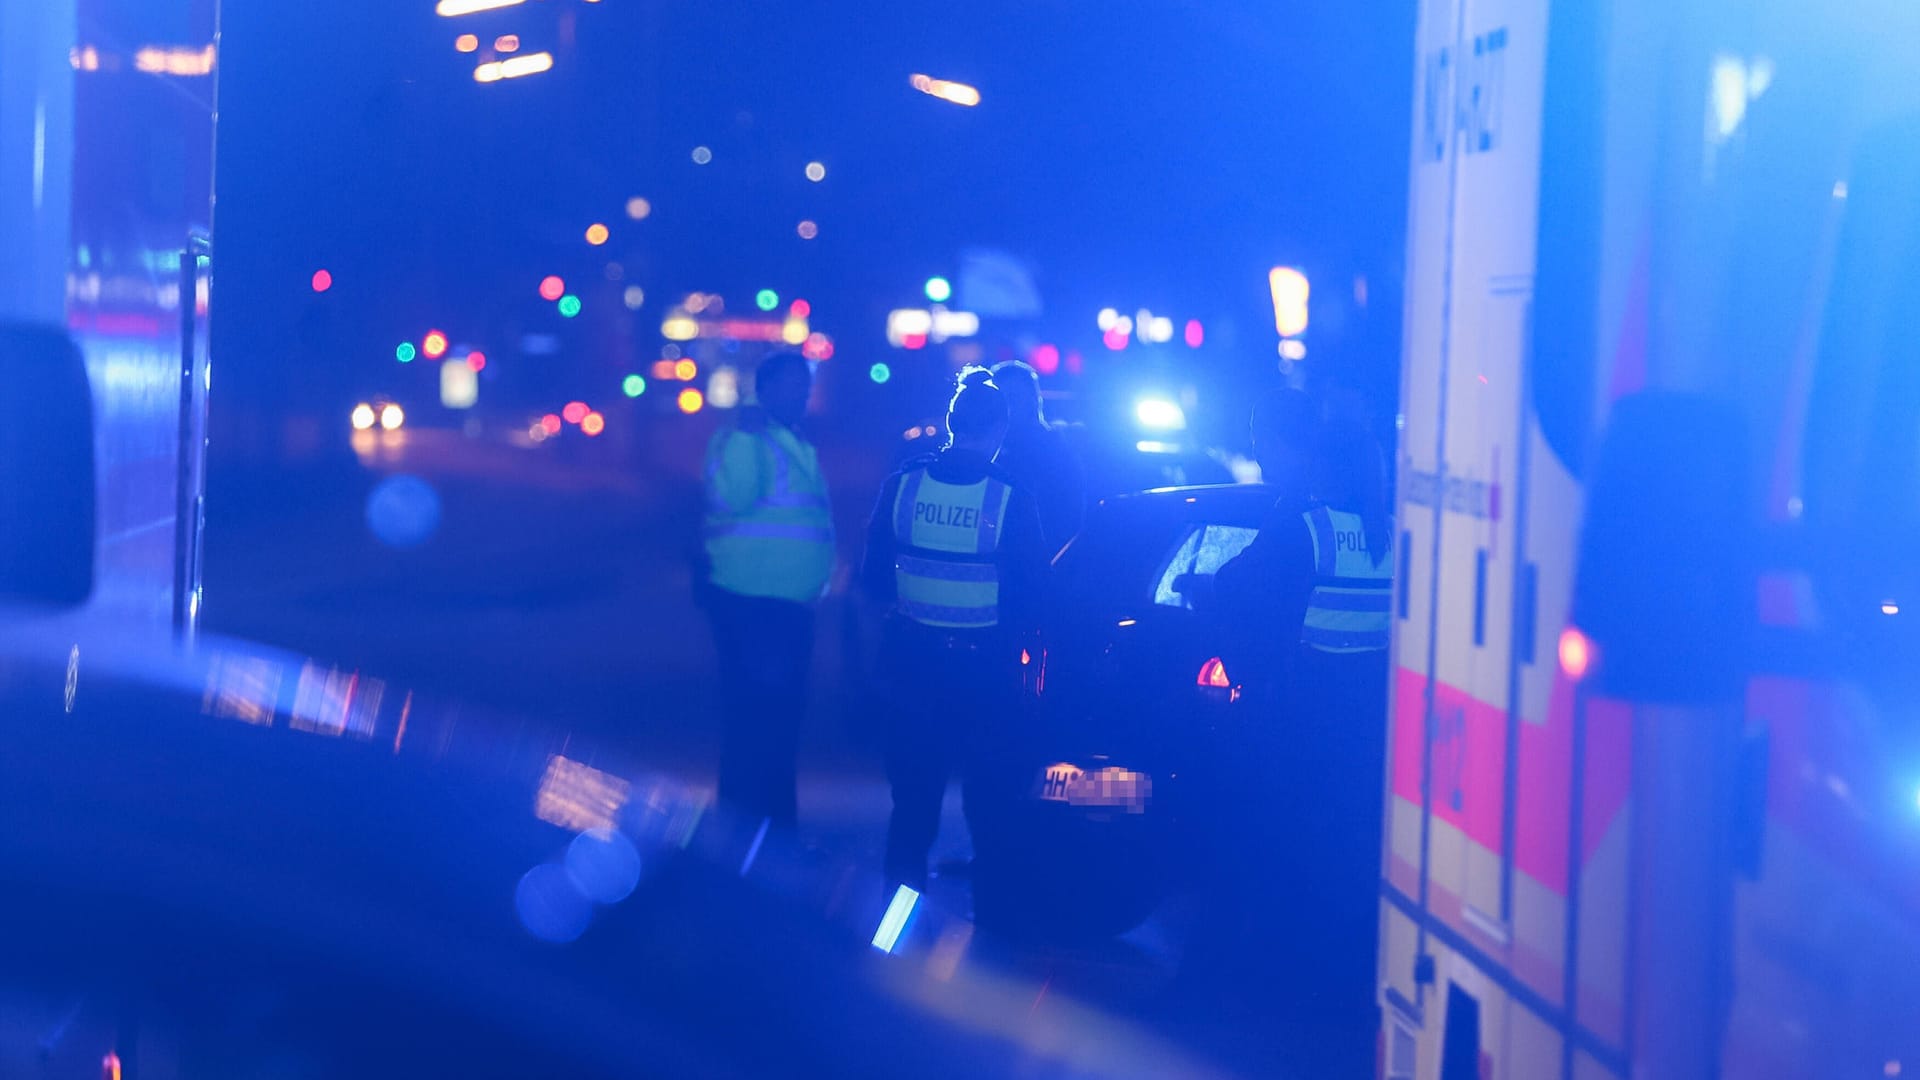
(596,234)
(1290,294)
(434,344)
(690,401)
(110,1066)
(1025,657)
(466,43)
(322,280)
(956,92)
(507,43)
(477,360)
(575,411)
(593,423)
(551,422)
(551,287)
(1576,653)
(663,369)
(685,370)
(1213,674)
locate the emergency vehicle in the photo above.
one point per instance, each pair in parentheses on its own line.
(1654,730)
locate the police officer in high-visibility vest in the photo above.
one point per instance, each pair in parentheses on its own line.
(770,554)
(955,556)
(1321,574)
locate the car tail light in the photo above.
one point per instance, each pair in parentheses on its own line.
(1214,673)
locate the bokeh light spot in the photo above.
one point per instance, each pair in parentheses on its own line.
(575,411)
(685,369)
(466,43)
(551,287)
(879,373)
(939,289)
(633,385)
(816,172)
(807,230)
(596,234)
(638,208)
(690,401)
(477,360)
(603,866)
(549,905)
(633,297)
(434,345)
(322,280)
(593,423)
(551,422)
(702,155)
(569,305)
(766,299)
(404,352)
(403,511)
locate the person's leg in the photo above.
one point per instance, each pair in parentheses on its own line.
(789,658)
(733,646)
(918,766)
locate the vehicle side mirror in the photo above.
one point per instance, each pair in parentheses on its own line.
(1666,587)
(46,468)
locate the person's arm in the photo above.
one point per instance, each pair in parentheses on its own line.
(876,566)
(734,480)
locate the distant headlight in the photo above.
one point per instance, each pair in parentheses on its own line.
(1159,414)
(362,416)
(391,417)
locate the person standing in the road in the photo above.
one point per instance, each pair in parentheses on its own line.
(770,552)
(1321,570)
(954,554)
(1039,458)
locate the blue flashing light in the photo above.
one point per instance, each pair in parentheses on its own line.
(894,923)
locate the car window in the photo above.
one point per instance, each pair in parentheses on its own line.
(1201,552)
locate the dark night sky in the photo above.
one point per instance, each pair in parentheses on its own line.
(1156,154)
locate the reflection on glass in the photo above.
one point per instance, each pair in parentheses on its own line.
(577,796)
(242,687)
(334,702)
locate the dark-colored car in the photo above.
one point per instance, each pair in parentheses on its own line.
(1131,704)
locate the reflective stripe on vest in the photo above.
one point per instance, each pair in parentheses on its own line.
(947,537)
(1352,603)
(781,495)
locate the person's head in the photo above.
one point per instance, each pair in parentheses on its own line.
(1349,472)
(782,385)
(977,415)
(1021,384)
(1285,426)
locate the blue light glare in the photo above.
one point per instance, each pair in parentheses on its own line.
(549,906)
(403,511)
(894,922)
(604,866)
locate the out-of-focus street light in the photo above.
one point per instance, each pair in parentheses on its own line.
(597,234)
(530,64)
(451,8)
(957,92)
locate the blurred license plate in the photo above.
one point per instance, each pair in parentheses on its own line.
(1110,788)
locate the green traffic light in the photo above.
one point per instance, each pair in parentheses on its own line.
(404,353)
(633,386)
(767,299)
(569,305)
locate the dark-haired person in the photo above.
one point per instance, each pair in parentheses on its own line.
(769,553)
(1038,456)
(955,557)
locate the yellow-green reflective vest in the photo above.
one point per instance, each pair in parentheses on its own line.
(946,537)
(768,529)
(1351,607)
